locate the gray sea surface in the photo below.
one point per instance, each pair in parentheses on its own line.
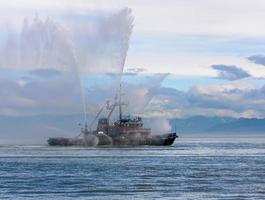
(224,167)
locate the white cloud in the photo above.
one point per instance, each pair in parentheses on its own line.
(226,17)
(234,99)
(60,94)
(57,92)
(210,18)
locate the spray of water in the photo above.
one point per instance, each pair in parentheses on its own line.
(102,46)
(84,47)
(112,33)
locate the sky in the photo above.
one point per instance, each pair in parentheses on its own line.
(181,58)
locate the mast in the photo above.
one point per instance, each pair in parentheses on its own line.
(120,107)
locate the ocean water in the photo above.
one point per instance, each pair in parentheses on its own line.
(193,168)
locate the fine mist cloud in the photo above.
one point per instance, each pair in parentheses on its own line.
(160,125)
(71,55)
(87,42)
(39,44)
(101,44)
(69,48)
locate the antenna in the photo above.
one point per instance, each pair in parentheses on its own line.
(175,127)
(120,108)
(99,112)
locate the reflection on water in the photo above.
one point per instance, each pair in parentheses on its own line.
(194,168)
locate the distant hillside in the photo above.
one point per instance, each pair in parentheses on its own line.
(200,124)
(37,129)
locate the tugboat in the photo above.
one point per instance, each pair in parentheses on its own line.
(126,131)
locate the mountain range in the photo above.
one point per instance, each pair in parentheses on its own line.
(215,125)
(36,129)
